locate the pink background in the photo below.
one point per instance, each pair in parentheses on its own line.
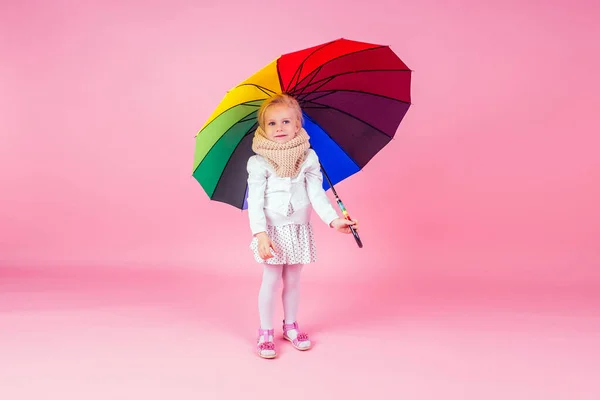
(480,221)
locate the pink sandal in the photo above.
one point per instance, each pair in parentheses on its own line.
(267,344)
(301,337)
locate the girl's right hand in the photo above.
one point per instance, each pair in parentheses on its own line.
(265,244)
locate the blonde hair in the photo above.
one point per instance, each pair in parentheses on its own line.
(283,100)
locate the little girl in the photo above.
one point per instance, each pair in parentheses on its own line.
(284,185)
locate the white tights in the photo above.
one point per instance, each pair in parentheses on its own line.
(272,276)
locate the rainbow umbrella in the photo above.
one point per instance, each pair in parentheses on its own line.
(353,95)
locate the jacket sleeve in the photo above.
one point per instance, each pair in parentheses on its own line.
(257,183)
(314,186)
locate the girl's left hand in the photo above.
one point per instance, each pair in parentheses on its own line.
(343,225)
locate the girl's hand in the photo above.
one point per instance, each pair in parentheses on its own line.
(265,245)
(343,225)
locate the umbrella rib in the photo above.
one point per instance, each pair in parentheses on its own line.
(321,66)
(300,66)
(277,69)
(333,140)
(353,116)
(247,118)
(324,94)
(334,59)
(246,103)
(299,70)
(259,87)
(217,141)
(358,71)
(330,92)
(229,158)
(325,82)
(231,155)
(328,79)
(316,72)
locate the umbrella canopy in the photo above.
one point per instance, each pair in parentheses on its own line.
(353,95)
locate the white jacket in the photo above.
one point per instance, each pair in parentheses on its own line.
(269,195)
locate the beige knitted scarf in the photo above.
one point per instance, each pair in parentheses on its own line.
(286,158)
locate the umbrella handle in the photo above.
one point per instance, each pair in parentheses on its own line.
(344,211)
(347,216)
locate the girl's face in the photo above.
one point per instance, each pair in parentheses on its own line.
(281,123)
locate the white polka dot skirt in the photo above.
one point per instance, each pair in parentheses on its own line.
(295,244)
